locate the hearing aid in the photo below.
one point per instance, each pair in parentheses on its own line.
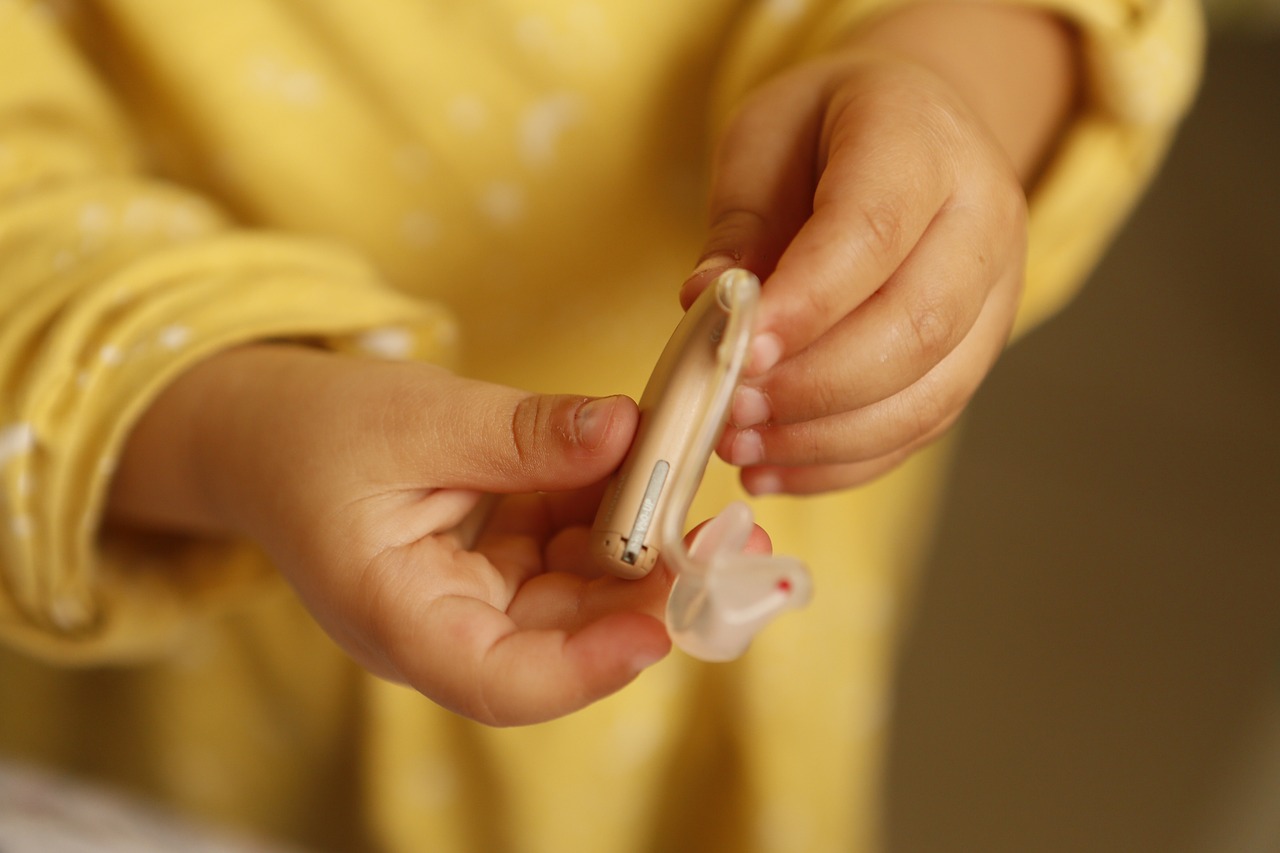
(721,596)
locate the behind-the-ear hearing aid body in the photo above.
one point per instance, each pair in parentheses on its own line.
(721,597)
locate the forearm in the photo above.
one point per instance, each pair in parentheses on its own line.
(1017,68)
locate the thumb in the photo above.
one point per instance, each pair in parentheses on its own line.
(497,439)
(762,181)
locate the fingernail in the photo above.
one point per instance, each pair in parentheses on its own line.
(645,659)
(748,448)
(693,286)
(750,407)
(714,262)
(764,483)
(766,350)
(591,423)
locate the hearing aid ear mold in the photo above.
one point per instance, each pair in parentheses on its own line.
(721,597)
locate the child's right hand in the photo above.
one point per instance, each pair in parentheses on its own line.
(352,475)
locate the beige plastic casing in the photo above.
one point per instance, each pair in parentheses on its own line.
(674,405)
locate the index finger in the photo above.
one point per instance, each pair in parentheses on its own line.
(876,197)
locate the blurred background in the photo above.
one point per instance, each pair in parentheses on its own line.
(1095,661)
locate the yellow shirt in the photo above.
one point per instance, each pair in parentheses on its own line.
(513,187)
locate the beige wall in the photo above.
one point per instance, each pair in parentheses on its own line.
(1096,660)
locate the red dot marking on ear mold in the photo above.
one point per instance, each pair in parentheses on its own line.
(784,585)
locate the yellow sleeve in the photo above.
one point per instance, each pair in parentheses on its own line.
(111,284)
(1142,60)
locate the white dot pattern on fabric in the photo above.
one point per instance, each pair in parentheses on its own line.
(588,18)
(68,613)
(296,86)
(502,203)
(47,14)
(20,525)
(576,38)
(543,123)
(534,33)
(183,223)
(420,229)
(633,740)
(94,219)
(16,440)
(141,215)
(390,342)
(121,295)
(467,112)
(174,337)
(63,259)
(110,354)
(412,162)
(784,829)
(434,785)
(785,10)
(597,46)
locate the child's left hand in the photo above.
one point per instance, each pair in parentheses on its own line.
(889,228)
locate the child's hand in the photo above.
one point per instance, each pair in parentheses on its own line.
(889,227)
(354,474)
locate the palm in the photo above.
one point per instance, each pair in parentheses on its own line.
(515,627)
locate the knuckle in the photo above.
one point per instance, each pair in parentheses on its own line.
(930,324)
(735,224)
(825,395)
(798,444)
(817,302)
(813,446)
(883,228)
(530,421)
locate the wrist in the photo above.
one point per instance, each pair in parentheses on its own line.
(1016,68)
(193,461)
